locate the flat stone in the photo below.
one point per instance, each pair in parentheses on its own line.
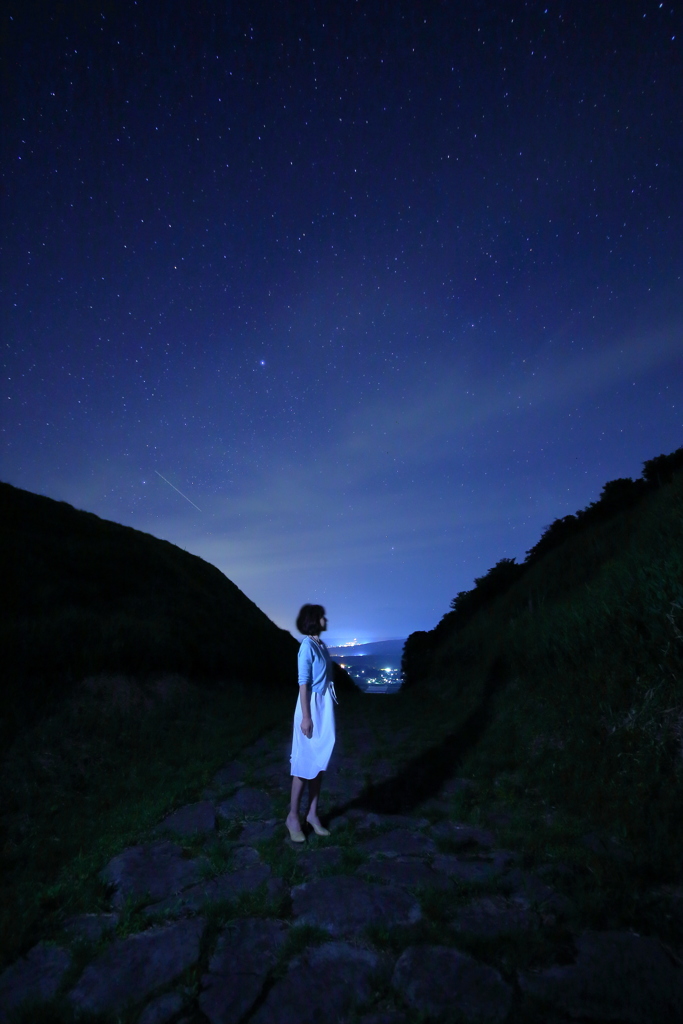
(191,819)
(494,916)
(258,831)
(345,904)
(383,1017)
(232,774)
(436,980)
(408,872)
(402,821)
(274,776)
(469,869)
(618,976)
(313,862)
(132,968)
(227,886)
(33,979)
(247,803)
(90,927)
(344,788)
(163,1009)
(244,857)
(155,871)
(462,836)
(245,954)
(324,984)
(527,885)
(454,787)
(361,819)
(400,842)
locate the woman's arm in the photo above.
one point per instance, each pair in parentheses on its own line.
(305,680)
(306,720)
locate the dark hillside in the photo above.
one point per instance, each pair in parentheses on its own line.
(81,595)
(573,666)
(616,498)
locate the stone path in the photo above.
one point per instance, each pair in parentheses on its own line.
(392,919)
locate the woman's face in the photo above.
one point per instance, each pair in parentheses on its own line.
(323,622)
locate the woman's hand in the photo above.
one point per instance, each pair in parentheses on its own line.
(307,726)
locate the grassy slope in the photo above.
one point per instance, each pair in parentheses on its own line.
(131,671)
(82,595)
(574,677)
(97,774)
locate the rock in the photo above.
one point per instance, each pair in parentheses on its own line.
(437,980)
(244,857)
(344,789)
(402,821)
(163,1009)
(494,916)
(275,776)
(132,968)
(344,905)
(156,871)
(383,1017)
(470,869)
(191,819)
(454,787)
(408,872)
(245,954)
(223,887)
(529,887)
(90,927)
(33,979)
(618,976)
(361,819)
(462,836)
(400,842)
(257,831)
(232,774)
(323,984)
(313,862)
(247,803)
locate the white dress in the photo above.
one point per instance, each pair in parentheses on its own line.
(310,756)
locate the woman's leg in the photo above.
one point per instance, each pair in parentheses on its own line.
(313,794)
(297,788)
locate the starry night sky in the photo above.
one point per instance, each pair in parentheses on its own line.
(382,288)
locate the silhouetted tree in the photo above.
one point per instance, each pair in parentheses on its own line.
(661,469)
(416,656)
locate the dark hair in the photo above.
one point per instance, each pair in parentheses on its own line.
(308,619)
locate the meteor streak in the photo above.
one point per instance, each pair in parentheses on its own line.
(176,489)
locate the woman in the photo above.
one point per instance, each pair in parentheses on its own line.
(313,734)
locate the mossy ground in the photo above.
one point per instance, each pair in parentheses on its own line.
(97,776)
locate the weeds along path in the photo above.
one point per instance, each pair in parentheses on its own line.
(431,899)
